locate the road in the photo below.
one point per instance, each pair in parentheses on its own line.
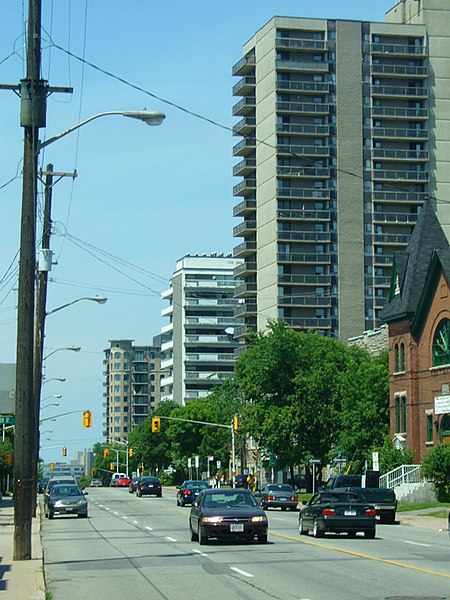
(140,548)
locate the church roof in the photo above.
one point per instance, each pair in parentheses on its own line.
(410,267)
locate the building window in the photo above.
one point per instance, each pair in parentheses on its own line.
(400,414)
(402,357)
(429,428)
(396,358)
(441,344)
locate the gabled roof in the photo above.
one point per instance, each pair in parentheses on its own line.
(411,266)
(440,263)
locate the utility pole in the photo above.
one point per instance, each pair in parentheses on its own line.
(44,266)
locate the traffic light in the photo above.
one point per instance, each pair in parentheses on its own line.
(105,453)
(52,466)
(112,466)
(156,424)
(64,451)
(130,452)
(236,423)
(255,455)
(141,469)
(231,454)
(92,472)
(87,418)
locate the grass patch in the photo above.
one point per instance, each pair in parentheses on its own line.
(424,505)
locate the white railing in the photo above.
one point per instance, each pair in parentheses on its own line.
(403,474)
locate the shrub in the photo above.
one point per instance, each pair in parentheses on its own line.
(436,468)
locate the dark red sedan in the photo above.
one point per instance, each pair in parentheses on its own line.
(123,482)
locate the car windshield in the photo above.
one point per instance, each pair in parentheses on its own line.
(228,500)
(66,490)
(279,488)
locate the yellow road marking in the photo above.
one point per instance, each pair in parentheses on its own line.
(359,555)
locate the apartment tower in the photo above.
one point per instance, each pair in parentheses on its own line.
(198,342)
(345,130)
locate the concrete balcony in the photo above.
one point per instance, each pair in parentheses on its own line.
(245,310)
(245,249)
(391,91)
(304,172)
(304,150)
(305,301)
(245,167)
(296,128)
(304,215)
(314,280)
(246,269)
(395,197)
(245,126)
(306,193)
(398,50)
(388,112)
(400,155)
(388,175)
(307,323)
(244,107)
(244,229)
(400,71)
(302,258)
(309,66)
(401,218)
(301,44)
(306,87)
(245,290)
(391,239)
(245,147)
(245,208)
(244,86)
(303,107)
(247,187)
(305,236)
(397,133)
(244,66)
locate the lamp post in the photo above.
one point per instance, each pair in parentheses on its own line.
(44,380)
(73,348)
(50,404)
(98,299)
(33,116)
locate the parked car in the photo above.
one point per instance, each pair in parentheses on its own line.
(240,481)
(115,477)
(133,484)
(337,511)
(229,514)
(383,499)
(149,486)
(66,499)
(277,495)
(42,484)
(95,482)
(188,490)
(123,481)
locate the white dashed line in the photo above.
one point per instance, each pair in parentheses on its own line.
(115,512)
(199,552)
(136,522)
(417,544)
(241,572)
(171,539)
(149,528)
(124,517)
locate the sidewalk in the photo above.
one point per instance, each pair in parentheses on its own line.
(23,579)
(416,518)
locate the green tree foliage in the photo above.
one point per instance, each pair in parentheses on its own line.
(364,414)
(391,458)
(436,468)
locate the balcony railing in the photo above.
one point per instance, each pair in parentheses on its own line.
(314,172)
(293,128)
(245,65)
(404,91)
(291,257)
(244,85)
(391,238)
(304,150)
(244,228)
(244,249)
(304,236)
(244,208)
(245,146)
(394,112)
(303,86)
(399,175)
(407,50)
(312,301)
(246,267)
(400,70)
(244,126)
(303,65)
(387,132)
(245,187)
(244,106)
(282,42)
(416,197)
(405,218)
(308,323)
(306,215)
(245,167)
(303,107)
(321,280)
(389,153)
(296,192)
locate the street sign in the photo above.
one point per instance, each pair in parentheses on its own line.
(7,419)
(218,464)
(189,463)
(273,461)
(314,461)
(196,459)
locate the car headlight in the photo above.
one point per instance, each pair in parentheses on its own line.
(212,519)
(57,504)
(259,519)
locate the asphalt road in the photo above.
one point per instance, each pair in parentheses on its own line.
(140,548)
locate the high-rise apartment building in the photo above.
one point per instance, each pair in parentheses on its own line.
(346,129)
(198,341)
(132,385)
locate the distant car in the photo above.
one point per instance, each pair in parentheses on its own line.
(133,484)
(123,482)
(115,477)
(42,484)
(228,514)
(240,481)
(65,499)
(95,482)
(277,495)
(149,486)
(188,490)
(337,511)
(449,524)
(343,481)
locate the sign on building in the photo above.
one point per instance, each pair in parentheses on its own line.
(441,405)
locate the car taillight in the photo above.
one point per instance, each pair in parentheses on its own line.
(370,512)
(141,486)
(328,511)
(186,493)
(270,497)
(294,498)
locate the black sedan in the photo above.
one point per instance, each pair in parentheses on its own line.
(277,495)
(133,484)
(65,499)
(227,514)
(337,511)
(149,486)
(188,490)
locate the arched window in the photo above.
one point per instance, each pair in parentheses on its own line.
(396,357)
(441,344)
(402,357)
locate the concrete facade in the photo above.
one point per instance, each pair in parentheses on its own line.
(345,130)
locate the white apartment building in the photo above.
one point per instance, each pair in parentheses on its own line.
(198,342)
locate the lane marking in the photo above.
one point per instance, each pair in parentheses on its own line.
(124,517)
(199,552)
(149,528)
(171,539)
(115,512)
(241,572)
(359,555)
(417,544)
(136,522)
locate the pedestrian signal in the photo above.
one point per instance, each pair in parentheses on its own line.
(52,466)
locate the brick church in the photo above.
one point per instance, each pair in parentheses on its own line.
(418,318)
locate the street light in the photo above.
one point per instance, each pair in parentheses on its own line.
(98,299)
(57,396)
(52,379)
(73,348)
(50,404)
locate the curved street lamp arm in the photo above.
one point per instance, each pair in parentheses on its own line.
(74,127)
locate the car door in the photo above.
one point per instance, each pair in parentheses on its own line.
(311,510)
(195,512)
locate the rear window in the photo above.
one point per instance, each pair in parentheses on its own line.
(280,488)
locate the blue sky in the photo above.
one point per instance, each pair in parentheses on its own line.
(144,197)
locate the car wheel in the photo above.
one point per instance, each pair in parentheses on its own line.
(317,533)
(178,502)
(370,534)
(262,539)
(202,538)
(301,529)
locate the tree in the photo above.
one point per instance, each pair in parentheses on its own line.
(436,468)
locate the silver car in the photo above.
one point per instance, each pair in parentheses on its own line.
(66,499)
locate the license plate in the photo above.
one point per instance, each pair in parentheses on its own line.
(69,508)
(350,513)
(237,528)
(283,499)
